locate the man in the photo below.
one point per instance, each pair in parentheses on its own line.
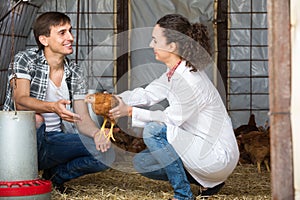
(44,80)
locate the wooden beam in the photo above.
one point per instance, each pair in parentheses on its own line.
(222,35)
(295,98)
(122,45)
(280,97)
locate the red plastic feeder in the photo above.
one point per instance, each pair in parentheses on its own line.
(40,188)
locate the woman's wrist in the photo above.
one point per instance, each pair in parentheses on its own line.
(129,111)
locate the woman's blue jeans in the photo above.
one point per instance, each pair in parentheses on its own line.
(161,162)
(67,156)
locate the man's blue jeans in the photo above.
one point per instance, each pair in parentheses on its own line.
(67,156)
(161,162)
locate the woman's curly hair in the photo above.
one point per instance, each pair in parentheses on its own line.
(192,39)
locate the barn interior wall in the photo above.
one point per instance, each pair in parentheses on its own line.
(248,91)
(14,30)
(93,24)
(95,28)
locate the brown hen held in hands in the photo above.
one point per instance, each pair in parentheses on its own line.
(101,104)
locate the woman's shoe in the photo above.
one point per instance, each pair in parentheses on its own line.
(211,191)
(194,198)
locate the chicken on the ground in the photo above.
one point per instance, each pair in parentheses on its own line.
(257,145)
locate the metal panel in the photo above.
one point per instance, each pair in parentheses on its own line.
(248,61)
(14,30)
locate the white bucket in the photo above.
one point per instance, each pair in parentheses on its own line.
(18,146)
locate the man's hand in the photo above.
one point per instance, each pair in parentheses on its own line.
(65,114)
(102,143)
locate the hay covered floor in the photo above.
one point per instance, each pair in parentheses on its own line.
(122,183)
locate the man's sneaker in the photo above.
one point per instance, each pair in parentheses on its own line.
(46,174)
(58,187)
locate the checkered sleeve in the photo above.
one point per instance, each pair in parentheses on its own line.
(78,82)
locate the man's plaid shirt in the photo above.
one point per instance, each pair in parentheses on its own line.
(31,64)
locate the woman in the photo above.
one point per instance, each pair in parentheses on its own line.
(192,140)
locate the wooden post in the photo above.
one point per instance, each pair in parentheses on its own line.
(222,35)
(122,45)
(280,97)
(295,98)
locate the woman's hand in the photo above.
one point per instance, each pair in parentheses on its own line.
(121,110)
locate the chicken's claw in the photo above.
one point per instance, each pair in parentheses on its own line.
(103,131)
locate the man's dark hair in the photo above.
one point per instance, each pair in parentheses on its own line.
(45,21)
